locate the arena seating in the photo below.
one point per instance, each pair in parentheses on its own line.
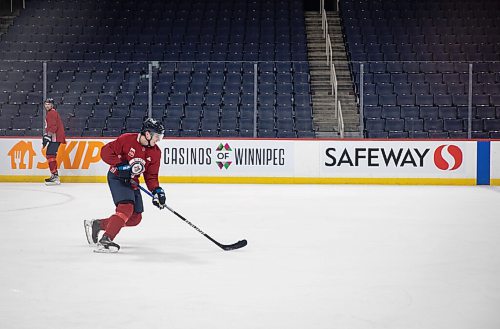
(97,53)
(416,57)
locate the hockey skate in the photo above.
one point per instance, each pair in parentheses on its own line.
(53,180)
(106,245)
(92,228)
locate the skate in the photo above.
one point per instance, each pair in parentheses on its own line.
(53,180)
(92,228)
(105,245)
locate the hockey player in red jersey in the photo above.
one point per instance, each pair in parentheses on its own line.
(53,137)
(129,156)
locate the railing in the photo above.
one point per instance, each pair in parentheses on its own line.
(464,95)
(340,121)
(329,61)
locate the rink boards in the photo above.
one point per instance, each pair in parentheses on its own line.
(273,161)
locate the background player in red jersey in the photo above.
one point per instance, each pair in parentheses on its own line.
(53,137)
(129,156)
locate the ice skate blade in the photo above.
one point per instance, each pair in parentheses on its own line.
(87,224)
(101,250)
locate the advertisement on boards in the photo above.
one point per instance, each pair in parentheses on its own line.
(76,157)
(267,161)
(397,159)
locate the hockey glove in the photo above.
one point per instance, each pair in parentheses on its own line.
(124,171)
(159,198)
(45,140)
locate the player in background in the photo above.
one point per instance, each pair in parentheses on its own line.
(53,137)
(129,156)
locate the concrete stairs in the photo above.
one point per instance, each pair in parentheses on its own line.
(323,100)
(6,22)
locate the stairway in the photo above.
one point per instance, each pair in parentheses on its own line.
(323,100)
(6,21)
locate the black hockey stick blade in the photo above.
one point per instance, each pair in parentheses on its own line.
(237,245)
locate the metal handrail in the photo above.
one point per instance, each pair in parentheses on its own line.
(329,61)
(340,121)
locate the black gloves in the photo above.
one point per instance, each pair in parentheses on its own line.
(159,198)
(45,140)
(124,171)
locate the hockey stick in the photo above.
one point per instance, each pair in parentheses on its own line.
(237,245)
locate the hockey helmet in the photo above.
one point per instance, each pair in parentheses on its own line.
(50,101)
(153,126)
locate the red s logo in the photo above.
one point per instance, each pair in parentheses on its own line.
(452,158)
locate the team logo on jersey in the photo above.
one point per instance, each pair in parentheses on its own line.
(131,153)
(448,157)
(138,166)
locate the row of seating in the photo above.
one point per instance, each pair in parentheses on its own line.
(429,100)
(416,65)
(431,67)
(431,78)
(171,67)
(454,128)
(76,126)
(384,88)
(424,112)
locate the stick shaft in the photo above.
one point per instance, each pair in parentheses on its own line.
(183,218)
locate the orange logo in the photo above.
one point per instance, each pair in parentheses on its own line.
(73,155)
(18,155)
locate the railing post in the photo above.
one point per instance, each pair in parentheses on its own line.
(469,104)
(44,93)
(255,100)
(150,90)
(335,88)
(361,99)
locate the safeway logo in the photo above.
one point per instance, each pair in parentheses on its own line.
(448,157)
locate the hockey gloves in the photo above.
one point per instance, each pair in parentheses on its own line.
(124,171)
(45,140)
(159,198)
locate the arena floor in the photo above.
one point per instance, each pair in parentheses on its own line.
(322,257)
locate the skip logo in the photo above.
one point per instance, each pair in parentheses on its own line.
(448,157)
(21,152)
(73,155)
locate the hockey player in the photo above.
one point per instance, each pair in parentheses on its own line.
(53,137)
(129,156)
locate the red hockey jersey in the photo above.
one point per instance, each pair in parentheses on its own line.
(144,160)
(54,126)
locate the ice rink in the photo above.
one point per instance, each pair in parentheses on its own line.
(318,257)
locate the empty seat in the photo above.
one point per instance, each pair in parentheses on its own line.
(412,124)
(492,124)
(447,112)
(410,112)
(485,112)
(432,125)
(453,125)
(393,124)
(391,112)
(424,100)
(443,100)
(372,124)
(406,100)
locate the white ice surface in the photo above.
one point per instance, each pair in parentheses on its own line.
(319,257)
